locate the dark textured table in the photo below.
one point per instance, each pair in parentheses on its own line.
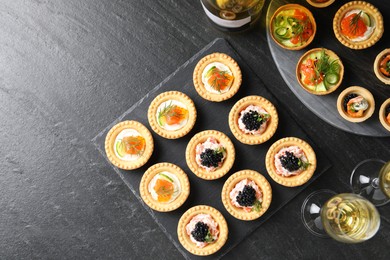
(68,69)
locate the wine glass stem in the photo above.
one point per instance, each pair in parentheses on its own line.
(375,183)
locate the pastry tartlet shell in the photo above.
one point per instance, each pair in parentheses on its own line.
(377,61)
(172,95)
(110,144)
(296,180)
(287,7)
(185,239)
(153,171)
(320,5)
(242,104)
(226,60)
(261,182)
(191,154)
(360,91)
(382,116)
(374,14)
(333,56)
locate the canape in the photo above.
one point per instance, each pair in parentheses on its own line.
(172,114)
(129,145)
(320,71)
(358,25)
(164,187)
(292,27)
(384,114)
(202,230)
(210,154)
(382,66)
(320,3)
(217,77)
(356,104)
(253,120)
(246,195)
(291,162)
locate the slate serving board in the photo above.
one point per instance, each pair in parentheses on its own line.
(358,65)
(212,116)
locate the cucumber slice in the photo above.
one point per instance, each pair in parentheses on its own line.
(166,177)
(119,149)
(281,31)
(321,87)
(332,78)
(366,19)
(280,21)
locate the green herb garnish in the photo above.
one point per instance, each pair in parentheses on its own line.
(209,238)
(354,22)
(257,206)
(323,66)
(303,165)
(168,110)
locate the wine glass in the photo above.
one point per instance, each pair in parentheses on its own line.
(345,217)
(371,179)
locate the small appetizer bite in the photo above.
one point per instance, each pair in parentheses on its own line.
(210,154)
(356,104)
(164,187)
(217,77)
(384,114)
(292,27)
(246,195)
(320,3)
(129,145)
(358,25)
(202,230)
(382,66)
(253,120)
(320,71)
(172,114)
(291,162)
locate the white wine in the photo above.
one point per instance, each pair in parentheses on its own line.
(384,179)
(350,218)
(233,15)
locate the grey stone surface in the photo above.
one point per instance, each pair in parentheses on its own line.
(68,68)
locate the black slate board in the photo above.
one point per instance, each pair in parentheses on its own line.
(212,116)
(358,66)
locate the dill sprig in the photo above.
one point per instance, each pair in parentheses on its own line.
(221,75)
(131,143)
(323,65)
(354,22)
(169,110)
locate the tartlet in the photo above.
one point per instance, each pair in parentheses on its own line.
(172,114)
(320,3)
(129,145)
(216,149)
(291,162)
(330,75)
(292,27)
(261,203)
(358,25)
(384,114)
(224,74)
(258,131)
(164,187)
(382,66)
(185,239)
(348,111)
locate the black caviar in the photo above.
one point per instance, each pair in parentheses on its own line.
(211,158)
(290,162)
(246,197)
(200,232)
(253,120)
(347,98)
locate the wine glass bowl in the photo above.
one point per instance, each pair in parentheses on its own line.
(365,180)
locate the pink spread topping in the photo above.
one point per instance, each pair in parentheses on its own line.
(297,152)
(262,127)
(212,144)
(240,187)
(209,221)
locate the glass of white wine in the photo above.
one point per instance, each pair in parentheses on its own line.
(345,217)
(371,179)
(232,15)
